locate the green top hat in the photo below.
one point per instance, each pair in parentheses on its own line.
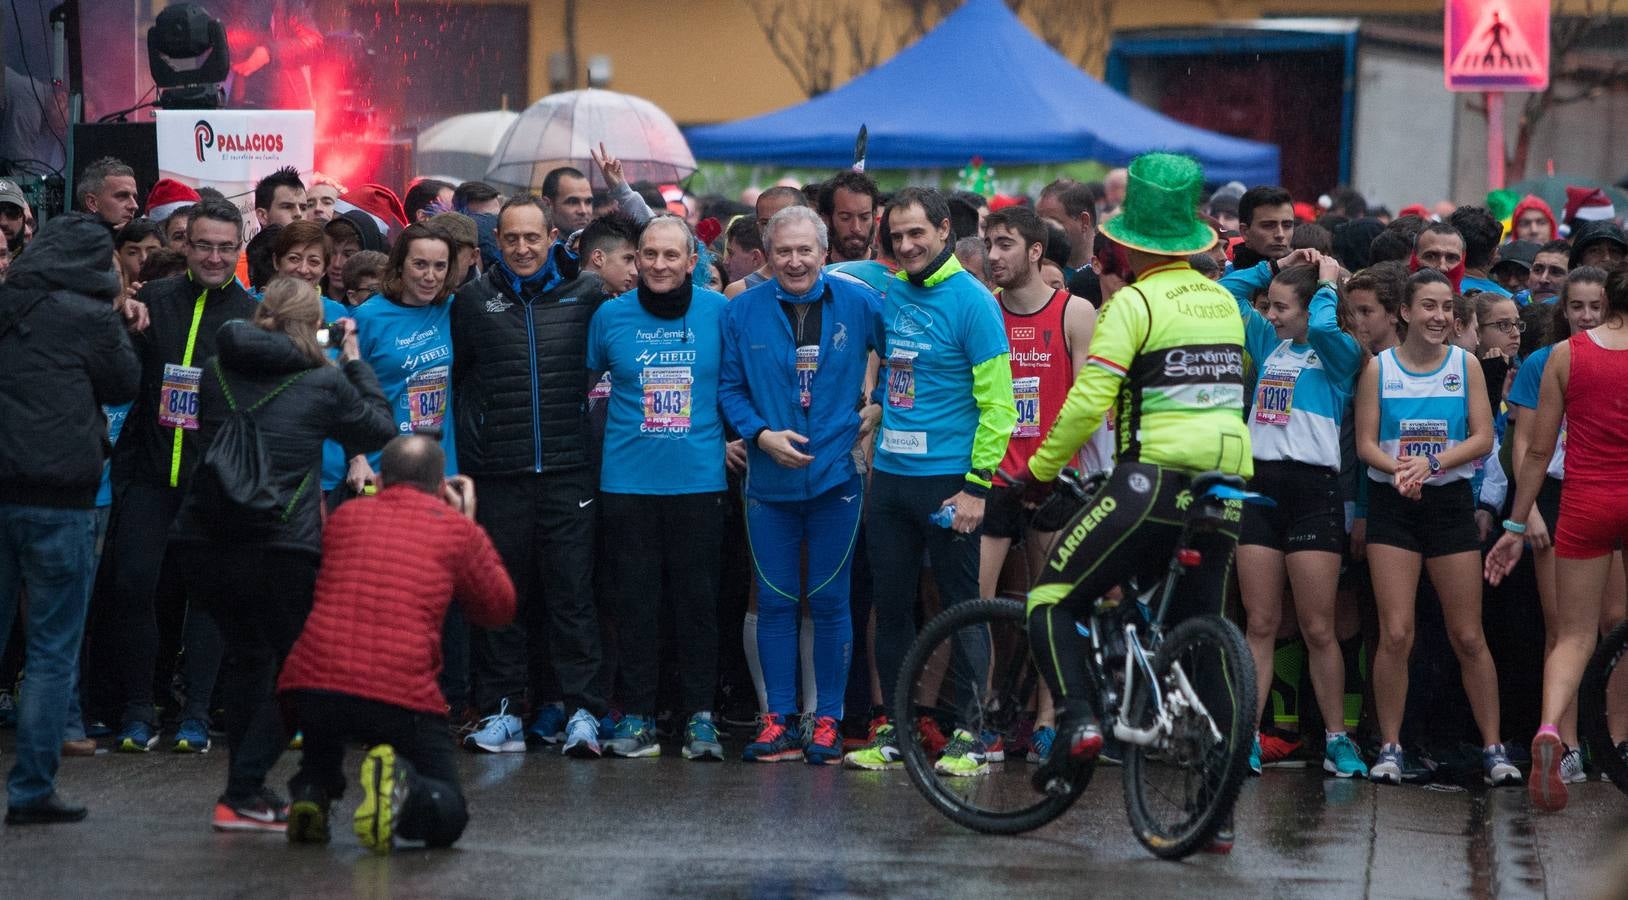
(1159,214)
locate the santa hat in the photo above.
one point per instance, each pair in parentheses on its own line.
(1415,209)
(1002,201)
(377,201)
(167,196)
(1587,204)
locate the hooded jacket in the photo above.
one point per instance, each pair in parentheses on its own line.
(66,353)
(367,230)
(341,403)
(1531,202)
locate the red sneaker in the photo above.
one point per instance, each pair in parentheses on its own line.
(931,736)
(255,815)
(1276,749)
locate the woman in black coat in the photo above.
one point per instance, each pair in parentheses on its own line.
(257,573)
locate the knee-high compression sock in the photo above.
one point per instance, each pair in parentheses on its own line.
(749,643)
(1288,667)
(805,665)
(1356,675)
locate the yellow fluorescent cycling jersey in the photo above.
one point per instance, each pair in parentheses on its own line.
(1168,356)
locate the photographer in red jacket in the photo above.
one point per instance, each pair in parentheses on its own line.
(365,667)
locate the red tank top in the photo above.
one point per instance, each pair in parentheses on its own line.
(1596,413)
(1042,373)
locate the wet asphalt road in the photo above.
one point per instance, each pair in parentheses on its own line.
(544,826)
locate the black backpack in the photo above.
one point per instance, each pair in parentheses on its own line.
(234,480)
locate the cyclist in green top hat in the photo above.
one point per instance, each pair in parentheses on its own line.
(1167,358)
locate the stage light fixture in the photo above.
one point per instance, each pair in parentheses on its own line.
(188,58)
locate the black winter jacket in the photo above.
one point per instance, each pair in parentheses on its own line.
(518,375)
(146,446)
(63,353)
(341,403)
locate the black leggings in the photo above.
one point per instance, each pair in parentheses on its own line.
(1130,528)
(260,596)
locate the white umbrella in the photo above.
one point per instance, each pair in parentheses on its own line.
(559,130)
(461,148)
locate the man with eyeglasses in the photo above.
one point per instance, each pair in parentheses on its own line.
(152,464)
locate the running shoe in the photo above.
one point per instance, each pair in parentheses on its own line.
(548,728)
(1225,837)
(1081,744)
(1548,789)
(136,737)
(1502,773)
(1341,759)
(384,793)
(883,752)
(775,741)
(582,735)
(1571,767)
(994,746)
(1040,743)
(192,737)
(963,756)
(1255,756)
(701,739)
(931,736)
(265,812)
(634,738)
(297,742)
(1276,749)
(607,725)
(501,733)
(1387,768)
(79,747)
(308,816)
(824,746)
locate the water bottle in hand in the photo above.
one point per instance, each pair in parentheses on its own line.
(944,517)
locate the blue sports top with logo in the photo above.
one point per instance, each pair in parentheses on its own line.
(1302,391)
(1423,412)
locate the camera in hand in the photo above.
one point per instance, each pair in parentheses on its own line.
(336,335)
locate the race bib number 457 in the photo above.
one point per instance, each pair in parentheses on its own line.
(901,380)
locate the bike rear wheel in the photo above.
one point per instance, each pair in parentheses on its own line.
(1180,790)
(1603,711)
(970,668)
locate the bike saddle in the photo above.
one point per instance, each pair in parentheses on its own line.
(1222,486)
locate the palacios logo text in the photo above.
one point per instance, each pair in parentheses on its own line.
(228,145)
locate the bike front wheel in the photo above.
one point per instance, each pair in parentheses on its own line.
(1603,711)
(970,669)
(1180,789)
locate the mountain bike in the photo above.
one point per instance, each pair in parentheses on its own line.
(1180,697)
(1603,711)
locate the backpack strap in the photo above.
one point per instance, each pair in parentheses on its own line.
(231,402)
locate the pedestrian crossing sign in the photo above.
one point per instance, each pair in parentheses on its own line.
(1496,45)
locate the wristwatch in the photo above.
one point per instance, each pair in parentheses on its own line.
(1435,464)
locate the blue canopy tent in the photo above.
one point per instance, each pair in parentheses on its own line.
(979,84)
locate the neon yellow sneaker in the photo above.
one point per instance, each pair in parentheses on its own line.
(963,756)
(883,752)
(384,787)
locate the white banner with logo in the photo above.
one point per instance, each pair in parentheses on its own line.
(231,148)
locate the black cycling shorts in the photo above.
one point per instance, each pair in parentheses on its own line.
(1309,514)
(1440,523)
(1130,528)
(1548,502)
(1003,512)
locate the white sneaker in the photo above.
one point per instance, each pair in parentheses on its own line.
(582,736)
(501,733)
(1571,767)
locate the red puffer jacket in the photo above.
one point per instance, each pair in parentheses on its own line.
(390,566)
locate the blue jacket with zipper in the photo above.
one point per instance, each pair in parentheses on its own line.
(758,385)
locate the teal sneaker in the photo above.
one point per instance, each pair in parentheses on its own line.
(701,739)
(634,738)
(1255,756)
(1341,759)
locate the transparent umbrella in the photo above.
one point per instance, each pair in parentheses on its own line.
(559,129)
(460,148)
